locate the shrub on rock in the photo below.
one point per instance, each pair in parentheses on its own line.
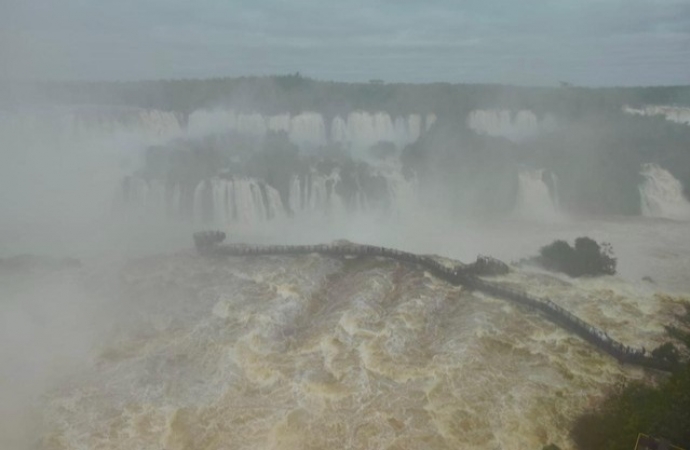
(587,258)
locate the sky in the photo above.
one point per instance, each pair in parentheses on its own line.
(525,42)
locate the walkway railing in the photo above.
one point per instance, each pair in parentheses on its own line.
(209,243)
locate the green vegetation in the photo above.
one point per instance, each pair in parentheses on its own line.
(295,92)
(595,154)
(587,258)
(597,158)
(273,159)
(476,174)
(662,411)
(594,150)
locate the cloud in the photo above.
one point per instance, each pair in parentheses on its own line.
(528,42)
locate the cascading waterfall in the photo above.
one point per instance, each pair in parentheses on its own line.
(537,197)
(678,114)
(157,198)
(237,200)
(253,124)
(307,129)
(88,123)
(222,201)
(175,202)
(362,129)
(430,120)
(204,122)
(316,193)
(661,194)
(217,201)
(145,197)
(402,191)
(504,123)
(359,129)
(200,215)
(135,192)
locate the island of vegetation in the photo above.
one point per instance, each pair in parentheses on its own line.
(586,258)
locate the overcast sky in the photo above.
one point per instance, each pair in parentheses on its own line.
(534,42)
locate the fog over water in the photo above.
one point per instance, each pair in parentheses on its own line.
(146,344)
(116,333)
(125,127)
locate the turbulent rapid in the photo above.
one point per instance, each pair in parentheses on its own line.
(314,352)
(662,194)
(148,345)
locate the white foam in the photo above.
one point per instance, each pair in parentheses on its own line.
(536,200)
(678,114)
(662,194)
(505,123)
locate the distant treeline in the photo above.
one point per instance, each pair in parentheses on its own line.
(298,93)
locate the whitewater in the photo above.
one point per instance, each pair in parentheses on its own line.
(149,345)
(313,352)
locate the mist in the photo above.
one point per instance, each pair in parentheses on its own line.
(317,124)
(100,194)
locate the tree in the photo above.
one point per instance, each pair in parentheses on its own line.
(587,258)
(594,259)
(662,411)
(558,256)
(666,352)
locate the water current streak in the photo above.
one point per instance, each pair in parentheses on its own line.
(208,243)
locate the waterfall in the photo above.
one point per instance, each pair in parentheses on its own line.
(504,123)
(319,193)
(339,131)
(217,201)
(146,197)
(221,193)
(237,200)
(96,121)
(204,122)
(278,123)
(175,202)
(274,204)
(414,128)
(308,130)
(537,197)
(134,193)
(223,201)
(76,125)
(402,194)
(156,200)
(678,114)
(662,195)
(198,203)
(430,120)
(316,193)
(362,129)
(359,129)
(402,191)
